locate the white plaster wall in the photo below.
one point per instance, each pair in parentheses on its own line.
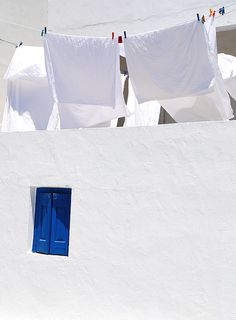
(152,224)
(20,21)
(101,17)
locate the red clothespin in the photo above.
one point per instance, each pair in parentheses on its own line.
(120,40)
(213,14)
(113,35)
(203,19)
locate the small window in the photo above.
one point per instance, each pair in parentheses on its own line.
(52,221)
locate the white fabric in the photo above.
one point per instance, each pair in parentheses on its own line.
(144,114)
(82,70)
(227,65)
(85,116)
(29,105)
(176,63)
(27,62)
(212,105)
(170,63)
(84,74)
(122,49)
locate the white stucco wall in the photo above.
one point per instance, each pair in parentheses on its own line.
(152,224)
(101,17)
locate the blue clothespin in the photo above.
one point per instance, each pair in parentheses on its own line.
(223,11)
(198,17)
(45,30)
(42,33)
(125,34)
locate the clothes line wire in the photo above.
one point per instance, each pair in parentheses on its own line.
(9,42)
(207,17)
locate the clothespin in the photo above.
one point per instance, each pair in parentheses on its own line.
(223,10)
(20,44)
(220,11)
(125,34)
(120,40)
(113,35)
(198,17)
(44,31)
(203,19)
(213,14)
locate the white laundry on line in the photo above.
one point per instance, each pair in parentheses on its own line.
(144,114)
(84,75)
(178,67)
(85,116)
(214,105)
(227,65)
(169,63)
(29,105)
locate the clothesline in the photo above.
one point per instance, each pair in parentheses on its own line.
(216,17)
(73,82)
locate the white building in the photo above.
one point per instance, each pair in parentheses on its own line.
(152,230)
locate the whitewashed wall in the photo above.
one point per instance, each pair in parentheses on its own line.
(20,21)
(101,17)
(152,224)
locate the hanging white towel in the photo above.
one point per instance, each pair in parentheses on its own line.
(84,75)
(169,63)
(144,114)
(82,70)
(29,105)
(227,64)
(85,116)
(213,103)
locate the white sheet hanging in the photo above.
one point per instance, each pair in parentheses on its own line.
(170,63)
(84,74)
(227,64)
(29,105)
(82,70)
(211,104)
(144,114)
(85,116)
(214,105)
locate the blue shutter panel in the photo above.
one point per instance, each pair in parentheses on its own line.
(42,225)
(60,223)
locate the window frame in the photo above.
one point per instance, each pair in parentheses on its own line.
(50,225)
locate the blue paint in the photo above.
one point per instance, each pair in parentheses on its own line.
(52,221)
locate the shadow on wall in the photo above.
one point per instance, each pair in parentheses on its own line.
(31,218)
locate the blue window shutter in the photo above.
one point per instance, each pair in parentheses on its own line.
(42,224)
(60,223)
